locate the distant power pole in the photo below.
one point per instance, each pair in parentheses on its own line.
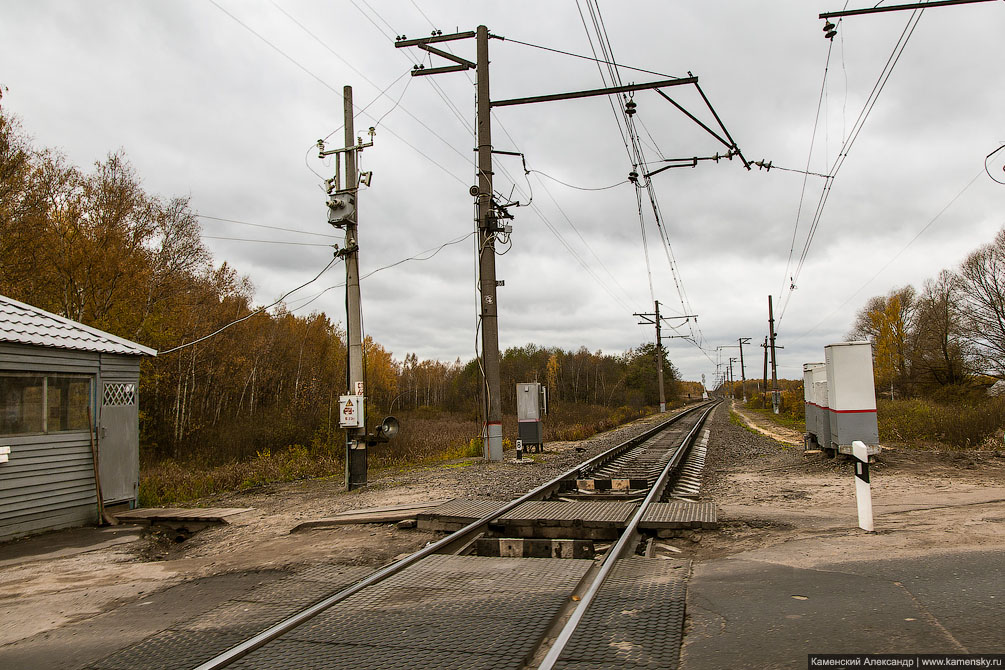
(764,388)
(654,318)
(343,212)
(743,373)
(775,399)
(651,319)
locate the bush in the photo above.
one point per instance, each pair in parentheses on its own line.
(960,425)
(428,435)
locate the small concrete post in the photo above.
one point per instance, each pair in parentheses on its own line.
(519,450)
(863,489)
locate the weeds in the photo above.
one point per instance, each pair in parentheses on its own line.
(960,425)
(428,436)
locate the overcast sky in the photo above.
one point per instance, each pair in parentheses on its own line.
(204,107)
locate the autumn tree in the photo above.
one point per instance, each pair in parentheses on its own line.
(982,289)
(887,322)
(940,353)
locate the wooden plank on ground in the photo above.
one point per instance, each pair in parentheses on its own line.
(157,514)
(392,514)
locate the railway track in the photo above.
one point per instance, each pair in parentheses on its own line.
(558,578)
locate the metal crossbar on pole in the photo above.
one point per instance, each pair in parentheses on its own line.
(898,8)
(595,92)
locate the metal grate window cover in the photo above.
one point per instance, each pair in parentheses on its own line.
(118,393)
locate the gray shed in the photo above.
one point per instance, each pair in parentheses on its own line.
(52,370)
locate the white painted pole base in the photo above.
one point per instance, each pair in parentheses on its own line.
(863,488)
(495,445)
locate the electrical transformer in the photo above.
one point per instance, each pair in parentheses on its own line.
(531,406)
(851,397)
(813,373)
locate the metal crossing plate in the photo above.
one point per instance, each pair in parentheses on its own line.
(457,513)
(297,655)
(443,612)
(188,643)
(590,513)
(170,650)
(636,621)
(680,514)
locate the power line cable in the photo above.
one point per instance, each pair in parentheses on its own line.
(892,259)
(260,225)
(809,158)
(594,59)
(339,94)
(244,239)
(579,188)
(987,169)
(639,158)
(878,87)
(258,311)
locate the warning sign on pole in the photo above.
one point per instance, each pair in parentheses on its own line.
(350,411)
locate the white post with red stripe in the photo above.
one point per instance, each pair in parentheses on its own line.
(863,488)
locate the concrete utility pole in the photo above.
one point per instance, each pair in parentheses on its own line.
(775,395)
(343,212)
(487,229)
(743,373)
(355,455)
(488,225)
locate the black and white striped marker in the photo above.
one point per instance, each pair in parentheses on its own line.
(863,489)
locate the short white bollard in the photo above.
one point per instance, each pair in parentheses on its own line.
(863,490)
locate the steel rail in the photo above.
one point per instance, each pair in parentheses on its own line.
(627,537)
(456,539)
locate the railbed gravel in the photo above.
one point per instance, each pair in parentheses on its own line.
(732,447)
(507,479)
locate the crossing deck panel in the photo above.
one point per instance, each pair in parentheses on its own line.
(636,621)
(556,512)
(679,514)
(442,612)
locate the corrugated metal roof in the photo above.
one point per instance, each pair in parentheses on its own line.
(23,324)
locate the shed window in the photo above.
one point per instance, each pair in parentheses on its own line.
(118,393)
(43,403)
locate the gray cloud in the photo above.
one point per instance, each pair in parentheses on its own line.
(204,108)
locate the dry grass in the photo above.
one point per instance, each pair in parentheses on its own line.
(965,424)
(427,436)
